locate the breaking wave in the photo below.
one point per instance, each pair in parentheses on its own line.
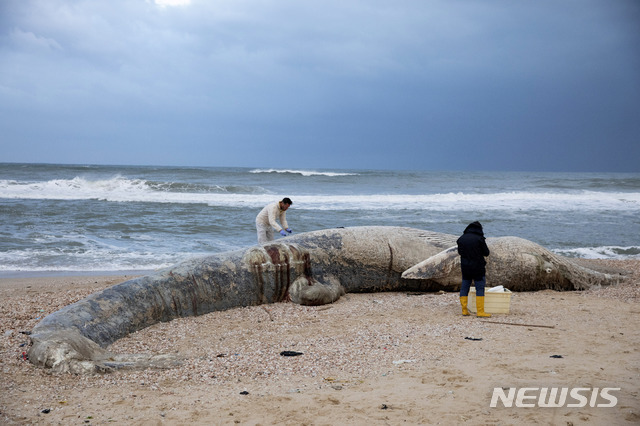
(303,172)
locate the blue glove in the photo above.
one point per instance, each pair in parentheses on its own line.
(289,230)
(284,234)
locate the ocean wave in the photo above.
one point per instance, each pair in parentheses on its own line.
(511,201)
(180,187)
(606,252)
(305,173)
(42,260)
(120,189)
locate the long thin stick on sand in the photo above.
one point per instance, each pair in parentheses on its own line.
(522,325)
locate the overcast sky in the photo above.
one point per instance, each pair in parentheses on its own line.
(437,85)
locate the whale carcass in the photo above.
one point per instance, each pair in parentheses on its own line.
(311,268)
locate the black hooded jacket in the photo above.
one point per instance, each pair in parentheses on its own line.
(472,249)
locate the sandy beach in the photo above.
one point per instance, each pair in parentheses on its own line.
(383,358)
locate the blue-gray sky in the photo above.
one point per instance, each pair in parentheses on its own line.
(548,85)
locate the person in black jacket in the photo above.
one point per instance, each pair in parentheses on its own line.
(472,249)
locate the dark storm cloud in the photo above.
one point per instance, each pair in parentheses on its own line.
(536,85)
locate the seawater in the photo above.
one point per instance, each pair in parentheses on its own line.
(86,218)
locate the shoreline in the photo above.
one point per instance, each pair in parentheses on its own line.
(372,358)
(70,273)
(596,263)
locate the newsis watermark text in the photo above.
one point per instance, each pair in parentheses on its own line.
(553,397)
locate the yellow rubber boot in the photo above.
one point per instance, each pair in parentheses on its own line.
(480,306)
(463,303)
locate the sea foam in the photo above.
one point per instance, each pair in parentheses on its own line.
(120,189)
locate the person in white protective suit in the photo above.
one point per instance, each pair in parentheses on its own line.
(266,221)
